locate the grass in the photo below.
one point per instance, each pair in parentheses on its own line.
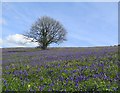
(74,75)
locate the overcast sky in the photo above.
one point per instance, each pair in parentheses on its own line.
(87,24)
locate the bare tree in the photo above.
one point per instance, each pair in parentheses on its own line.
(45,31)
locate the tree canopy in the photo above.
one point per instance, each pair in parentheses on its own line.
(45,31)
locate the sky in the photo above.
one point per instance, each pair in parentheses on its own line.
(88,24)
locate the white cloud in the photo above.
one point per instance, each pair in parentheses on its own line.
(0,42)
(2,21)
(17,40)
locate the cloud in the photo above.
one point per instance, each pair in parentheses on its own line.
(17,40)
(0,42)
(2,21)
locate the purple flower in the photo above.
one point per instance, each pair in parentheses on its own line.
(65,71)
(76,85)
(58,65)
(71,78)
(41,88)
(8,73)
(20,71)
(96,75)
(21,78)
(27,79)
(114,89)
(41,78)
(51,84)
(25,73)
(7,67)
(49,89)
(61,78)
(105,77)
(74,71)
(50,72)
(66,80)
(5,82)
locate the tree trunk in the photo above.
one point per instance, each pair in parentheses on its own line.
(44,46)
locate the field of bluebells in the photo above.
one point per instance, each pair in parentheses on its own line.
(60,69)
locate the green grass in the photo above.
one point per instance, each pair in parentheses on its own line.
(47,77)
